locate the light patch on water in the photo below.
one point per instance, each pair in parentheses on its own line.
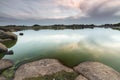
(116,38)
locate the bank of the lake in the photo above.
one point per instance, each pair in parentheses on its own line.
(53,69)
(6,41)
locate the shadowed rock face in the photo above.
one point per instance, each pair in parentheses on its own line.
(4,64)
(41,67)
(97,71)
(3,48)
(80,77)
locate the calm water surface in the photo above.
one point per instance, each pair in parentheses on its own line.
(69,46)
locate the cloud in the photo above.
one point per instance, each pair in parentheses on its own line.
(31,9)
(26,9)
(66,11)
(93,8)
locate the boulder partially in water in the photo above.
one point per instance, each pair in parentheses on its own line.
(42,67)
(7,36)
(9,52)
(3,48)
(80,77)
(97,71)
(5,63)
(11,35)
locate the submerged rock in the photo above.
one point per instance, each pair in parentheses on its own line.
(97,71)
(4,64)
(2,78)
(3,48)
(80,77)
(41,67)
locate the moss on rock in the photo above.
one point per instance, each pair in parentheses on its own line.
(56,76)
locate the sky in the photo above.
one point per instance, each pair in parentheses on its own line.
(49,12)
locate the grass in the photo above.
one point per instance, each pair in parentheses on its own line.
(10,43)
(9,73)
(57,76)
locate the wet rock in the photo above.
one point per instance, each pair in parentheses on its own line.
(7,35)
(41,67)
(80,77)
(11,35)
(97,71)
(4,64)
(2,78)
(9,52)
(3,48)
(21,34)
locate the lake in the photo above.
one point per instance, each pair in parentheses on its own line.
(69,46)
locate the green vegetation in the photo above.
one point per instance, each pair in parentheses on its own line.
(57,76)
(13,28)
(1,55)
(36,27)
(9,73)
(9,43)
(116,28)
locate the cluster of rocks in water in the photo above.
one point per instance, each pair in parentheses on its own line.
(85,70)
(6,36)
(4,63)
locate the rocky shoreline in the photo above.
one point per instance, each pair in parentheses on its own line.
(6,36)
(13,28)
(49,67)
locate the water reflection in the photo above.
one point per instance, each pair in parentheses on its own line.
(69,46)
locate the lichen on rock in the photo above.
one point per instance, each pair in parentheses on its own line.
(97,71)
(5,63)
(41,67)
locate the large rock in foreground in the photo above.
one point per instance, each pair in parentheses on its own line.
(7,35)
(97,71)
(41,67)
(3,48)
(4,64)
